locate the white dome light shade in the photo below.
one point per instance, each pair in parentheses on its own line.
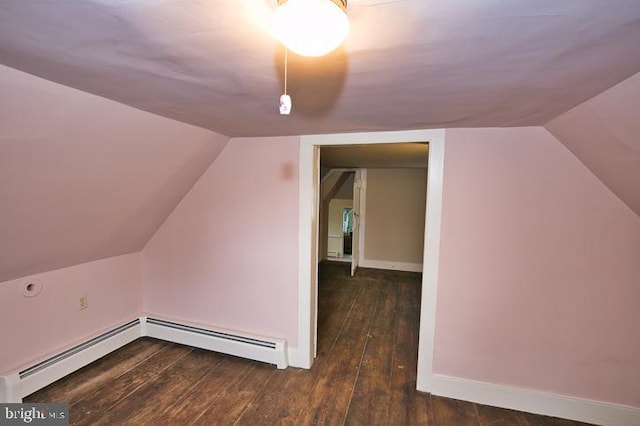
(311,27)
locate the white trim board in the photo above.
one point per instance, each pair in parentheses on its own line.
(363,216)
(391,265)
(431,262)
(582,410)
(292,357)
(307,234)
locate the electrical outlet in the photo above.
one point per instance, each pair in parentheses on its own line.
(83,303)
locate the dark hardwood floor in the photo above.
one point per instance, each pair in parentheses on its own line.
(365,373)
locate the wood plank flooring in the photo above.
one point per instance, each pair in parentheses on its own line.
(365,373)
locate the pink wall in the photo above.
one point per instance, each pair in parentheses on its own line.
(539,270)
(227,256)
(33,327)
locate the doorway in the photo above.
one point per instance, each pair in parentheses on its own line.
(336,215)
(347,232)
(308,239)
(340,215)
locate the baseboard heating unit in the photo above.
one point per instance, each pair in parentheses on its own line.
(272,351)
(18,384)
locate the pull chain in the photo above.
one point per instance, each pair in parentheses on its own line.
(286,67)
(285,100)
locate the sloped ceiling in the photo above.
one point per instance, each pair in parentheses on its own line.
(406,64)
(84,178)
(604,133)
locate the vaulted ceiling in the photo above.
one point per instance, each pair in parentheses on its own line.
(406,63)
(83,177)
(604,133)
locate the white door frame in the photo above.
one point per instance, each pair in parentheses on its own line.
(358,229)
(308,240)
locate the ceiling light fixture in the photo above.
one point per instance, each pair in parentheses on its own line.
(311,27)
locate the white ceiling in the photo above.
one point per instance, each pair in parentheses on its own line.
(406,64)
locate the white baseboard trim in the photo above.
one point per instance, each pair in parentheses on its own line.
(17,384)
(292,354)
(583,410)
(391,265)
